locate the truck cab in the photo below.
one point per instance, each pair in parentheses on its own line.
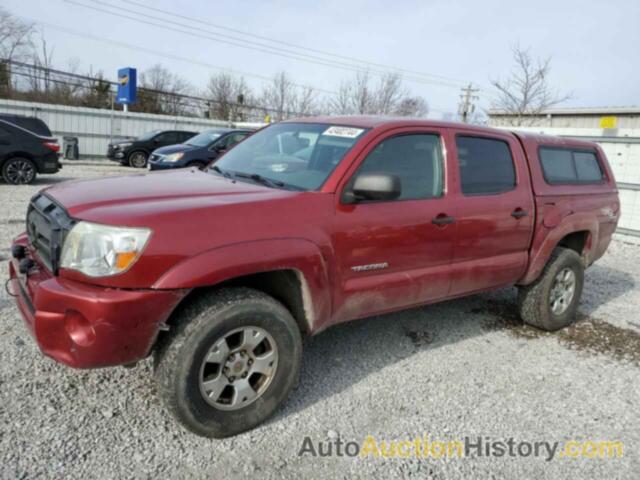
(305,224)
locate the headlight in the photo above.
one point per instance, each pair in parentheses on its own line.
(174,157)
(124,145)
(100,250)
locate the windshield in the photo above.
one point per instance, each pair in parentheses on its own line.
(149,135)
(203,139)
(294,155)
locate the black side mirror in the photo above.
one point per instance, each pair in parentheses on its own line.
(373,187)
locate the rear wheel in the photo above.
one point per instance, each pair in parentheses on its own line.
(231,361)
(551,302)
(19,171)
(138,159)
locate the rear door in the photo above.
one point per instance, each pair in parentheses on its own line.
(391,254)
(495,211)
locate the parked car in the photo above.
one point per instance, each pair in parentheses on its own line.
(304,225)
(136,152)
(198,151)
(26,149)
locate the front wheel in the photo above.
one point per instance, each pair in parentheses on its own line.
(138,159)
(550,303)
(232,360)
(19,171)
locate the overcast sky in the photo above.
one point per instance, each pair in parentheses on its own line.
(594,44)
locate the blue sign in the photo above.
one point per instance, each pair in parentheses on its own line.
(126,86)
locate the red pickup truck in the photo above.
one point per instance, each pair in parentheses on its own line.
(304,225)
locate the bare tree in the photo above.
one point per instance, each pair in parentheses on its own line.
(16,43)
(341,103)
(16,37)
(160,91)
(389,97)
(228,96)
(412,107)
(281,99)
(526,93)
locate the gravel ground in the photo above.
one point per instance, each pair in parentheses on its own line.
(457,369)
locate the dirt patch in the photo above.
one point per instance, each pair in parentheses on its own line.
(419,338)
(588,334)
(597,336)
(505,316)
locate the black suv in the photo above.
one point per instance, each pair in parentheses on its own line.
(136,152)
(26,149)
(198,151)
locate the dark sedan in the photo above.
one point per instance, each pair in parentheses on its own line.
(198,151)
(136,152)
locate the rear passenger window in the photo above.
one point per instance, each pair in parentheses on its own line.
(587,167)
(563,165)
(486,166)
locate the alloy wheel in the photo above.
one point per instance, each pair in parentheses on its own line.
(238,368)
(20,171)
(562,291)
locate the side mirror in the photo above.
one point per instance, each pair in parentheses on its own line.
(373,187)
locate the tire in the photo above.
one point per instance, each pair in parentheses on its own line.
(197,164)
(546,303)
(138,159)
(19,171)
(182,373)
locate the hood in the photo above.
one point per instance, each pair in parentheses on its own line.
(181,147)
(142,199)
(120,143)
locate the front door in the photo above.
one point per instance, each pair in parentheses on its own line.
(394,254)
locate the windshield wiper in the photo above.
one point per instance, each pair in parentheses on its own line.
(269,182)
(217,169)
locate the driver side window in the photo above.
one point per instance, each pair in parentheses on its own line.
(416,159)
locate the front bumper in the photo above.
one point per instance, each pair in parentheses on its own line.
(162,166)
(86,326)
(116,156)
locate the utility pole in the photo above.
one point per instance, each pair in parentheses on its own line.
(467,98)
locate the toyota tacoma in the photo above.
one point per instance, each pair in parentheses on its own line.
(219,274)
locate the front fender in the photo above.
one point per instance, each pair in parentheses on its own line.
(231,261)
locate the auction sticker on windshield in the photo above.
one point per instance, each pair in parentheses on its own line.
(345,132)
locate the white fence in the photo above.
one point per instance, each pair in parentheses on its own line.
(96,128)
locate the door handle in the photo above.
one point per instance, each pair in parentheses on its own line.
(442,219)
(519,213)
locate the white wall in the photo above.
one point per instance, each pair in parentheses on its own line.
(95,128)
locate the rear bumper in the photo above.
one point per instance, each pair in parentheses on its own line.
(49,163)
(85,326)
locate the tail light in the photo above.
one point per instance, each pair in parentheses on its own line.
(52,146)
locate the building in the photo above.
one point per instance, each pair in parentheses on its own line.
(617,130)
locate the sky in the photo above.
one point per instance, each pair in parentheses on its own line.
(593,44)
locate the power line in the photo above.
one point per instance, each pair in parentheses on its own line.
(251,45)
(170,56)
(293,45)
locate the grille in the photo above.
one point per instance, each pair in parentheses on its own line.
(47,226)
